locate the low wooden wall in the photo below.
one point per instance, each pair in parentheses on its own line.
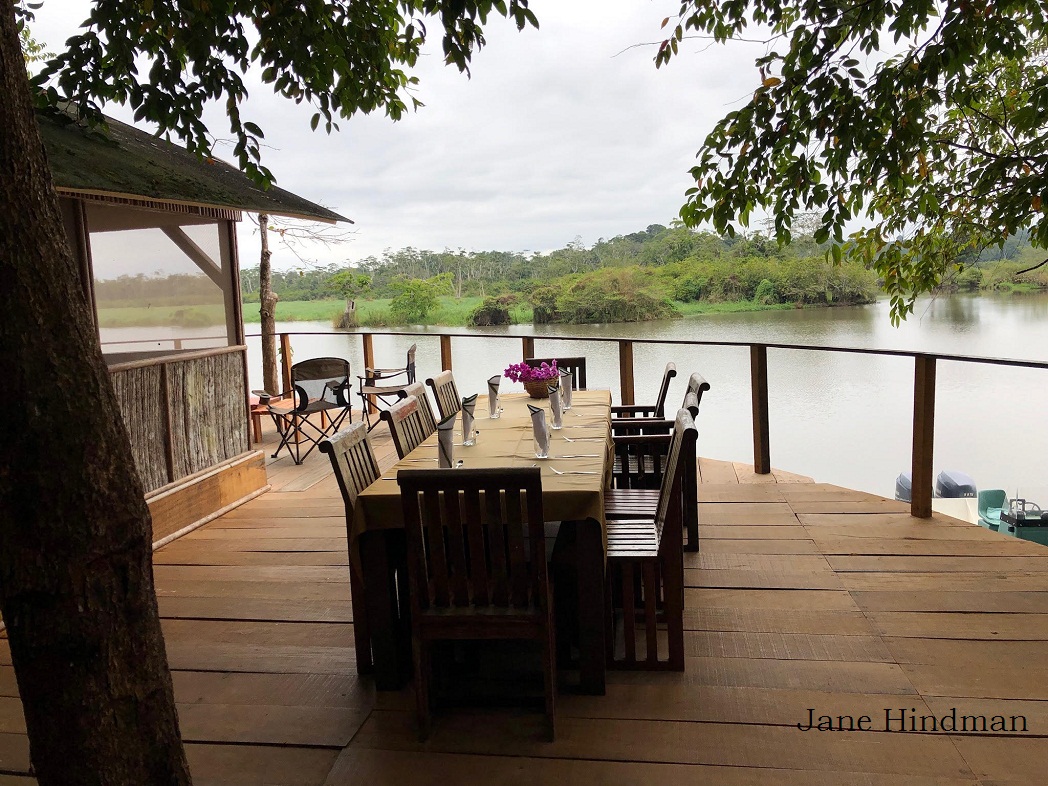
(185,413)
(187,417)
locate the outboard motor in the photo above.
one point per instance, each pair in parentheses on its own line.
(903,487)
(952,484)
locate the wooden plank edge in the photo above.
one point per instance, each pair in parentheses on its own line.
(210,517)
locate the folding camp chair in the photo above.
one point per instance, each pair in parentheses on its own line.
(321,387)
(374,387)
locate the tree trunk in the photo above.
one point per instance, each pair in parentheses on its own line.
(76,576)
(268,310)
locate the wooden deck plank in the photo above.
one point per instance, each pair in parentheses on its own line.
(743,513)
(834,600)
(714,471)
(1006,602)
(750,546)
(428,768)
(734,618)
(290,690)
(261,609)
(787,646)
(259,765)
(670,742)
(971,626)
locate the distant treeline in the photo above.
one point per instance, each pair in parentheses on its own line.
(627,278)
(142,291)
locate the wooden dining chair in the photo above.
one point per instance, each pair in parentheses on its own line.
(418,390)
(645,570)
(577,367)
(356,468)
(656,410)
(405,425)
(445,393)
(639,471)
(476,567)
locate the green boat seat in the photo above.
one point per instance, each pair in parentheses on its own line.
(992,502)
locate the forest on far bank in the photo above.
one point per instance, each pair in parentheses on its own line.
(660,272)
(656,273)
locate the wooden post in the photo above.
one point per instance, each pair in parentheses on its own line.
(285,362)
(369,350)
(165,423)
(627,394)
(445,353)
(528,346)
(923,436)
(759,396)
(369,362)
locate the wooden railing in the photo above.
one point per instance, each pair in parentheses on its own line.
(923,386)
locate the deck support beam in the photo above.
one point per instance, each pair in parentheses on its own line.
(923,436)
(627,393)
(759,396)
(445,353)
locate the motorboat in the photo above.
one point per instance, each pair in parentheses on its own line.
(949,484)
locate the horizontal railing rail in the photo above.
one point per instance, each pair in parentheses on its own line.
(923,383)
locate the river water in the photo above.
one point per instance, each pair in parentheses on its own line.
(841,418)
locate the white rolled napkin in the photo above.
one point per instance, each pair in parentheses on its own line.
(493,394)
(565,386)
(446,441)
(538,427)
(469,405)
(554,403)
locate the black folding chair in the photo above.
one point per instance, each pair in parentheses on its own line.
(320,387)
(374,385)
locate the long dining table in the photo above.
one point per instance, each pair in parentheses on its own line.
(574,478)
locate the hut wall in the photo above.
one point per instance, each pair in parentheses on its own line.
(184,413)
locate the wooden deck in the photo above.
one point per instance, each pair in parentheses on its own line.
(803,596)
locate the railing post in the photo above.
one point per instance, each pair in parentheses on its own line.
(627,393)
(369,362)
(528,346)
(285,362)
(923,436)
(445,353)
(759,396)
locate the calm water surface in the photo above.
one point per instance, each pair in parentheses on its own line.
(840,418)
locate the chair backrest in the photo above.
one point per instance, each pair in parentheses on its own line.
(664,389)
(691,403)
(409,367)
(353,461)
(669,511)
(405,425)
(418,390)
(445,393)
(321,379)
(577,367)
(992,498)
(469,533)
(697,384)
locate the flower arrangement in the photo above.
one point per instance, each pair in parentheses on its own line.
(522,372)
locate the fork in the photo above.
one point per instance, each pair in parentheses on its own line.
(583,439)
(574,472)
(579,455)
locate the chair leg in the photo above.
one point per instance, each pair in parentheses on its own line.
(361,629)
(549,667)
(423,667)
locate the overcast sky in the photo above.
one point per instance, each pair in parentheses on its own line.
(562,132)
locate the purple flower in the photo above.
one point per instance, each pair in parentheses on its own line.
(522,372)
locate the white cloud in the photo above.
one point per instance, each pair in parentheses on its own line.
(563,131)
